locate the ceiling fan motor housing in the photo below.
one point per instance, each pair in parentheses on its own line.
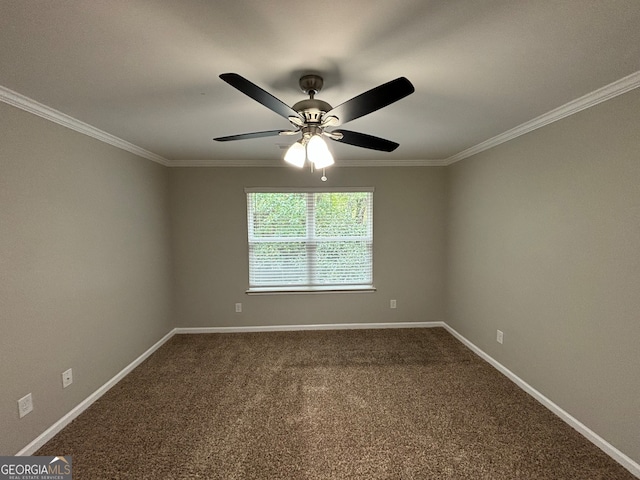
(312,109)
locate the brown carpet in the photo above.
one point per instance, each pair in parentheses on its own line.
(366,404)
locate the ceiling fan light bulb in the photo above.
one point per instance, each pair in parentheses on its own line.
(318,152)
(326,160)
(295,155)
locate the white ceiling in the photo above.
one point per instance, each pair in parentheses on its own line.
(147,71)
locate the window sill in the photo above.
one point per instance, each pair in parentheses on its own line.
(311,290)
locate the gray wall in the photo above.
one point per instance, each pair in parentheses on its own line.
(538,237)
(208,214)
(84,267)
(544,244)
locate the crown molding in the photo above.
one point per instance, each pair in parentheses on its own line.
(279,163)
(269,162)
(29,105)
(603,94)
(390,163)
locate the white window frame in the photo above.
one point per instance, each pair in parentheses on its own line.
(310,243)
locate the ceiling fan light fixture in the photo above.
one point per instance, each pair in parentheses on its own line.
(312,116)
(296,155)
(318,152)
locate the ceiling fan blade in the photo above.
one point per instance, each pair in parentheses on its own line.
(245,136)
(372,100)
(259,95)
(365,141)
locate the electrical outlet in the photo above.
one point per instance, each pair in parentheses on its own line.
(392,304)
(500,336)
(238,308)
(25,405)
(67,378)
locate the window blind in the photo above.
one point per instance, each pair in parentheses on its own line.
(310,239)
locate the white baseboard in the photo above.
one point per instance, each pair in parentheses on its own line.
(50,432)
(291,328)
(589,434)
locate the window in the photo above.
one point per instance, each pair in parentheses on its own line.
(310,240)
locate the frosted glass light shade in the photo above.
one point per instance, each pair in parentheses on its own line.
(296,155)
(319,153)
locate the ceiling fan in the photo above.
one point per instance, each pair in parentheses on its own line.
(314,118)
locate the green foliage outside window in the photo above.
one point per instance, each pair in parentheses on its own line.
(310,238)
